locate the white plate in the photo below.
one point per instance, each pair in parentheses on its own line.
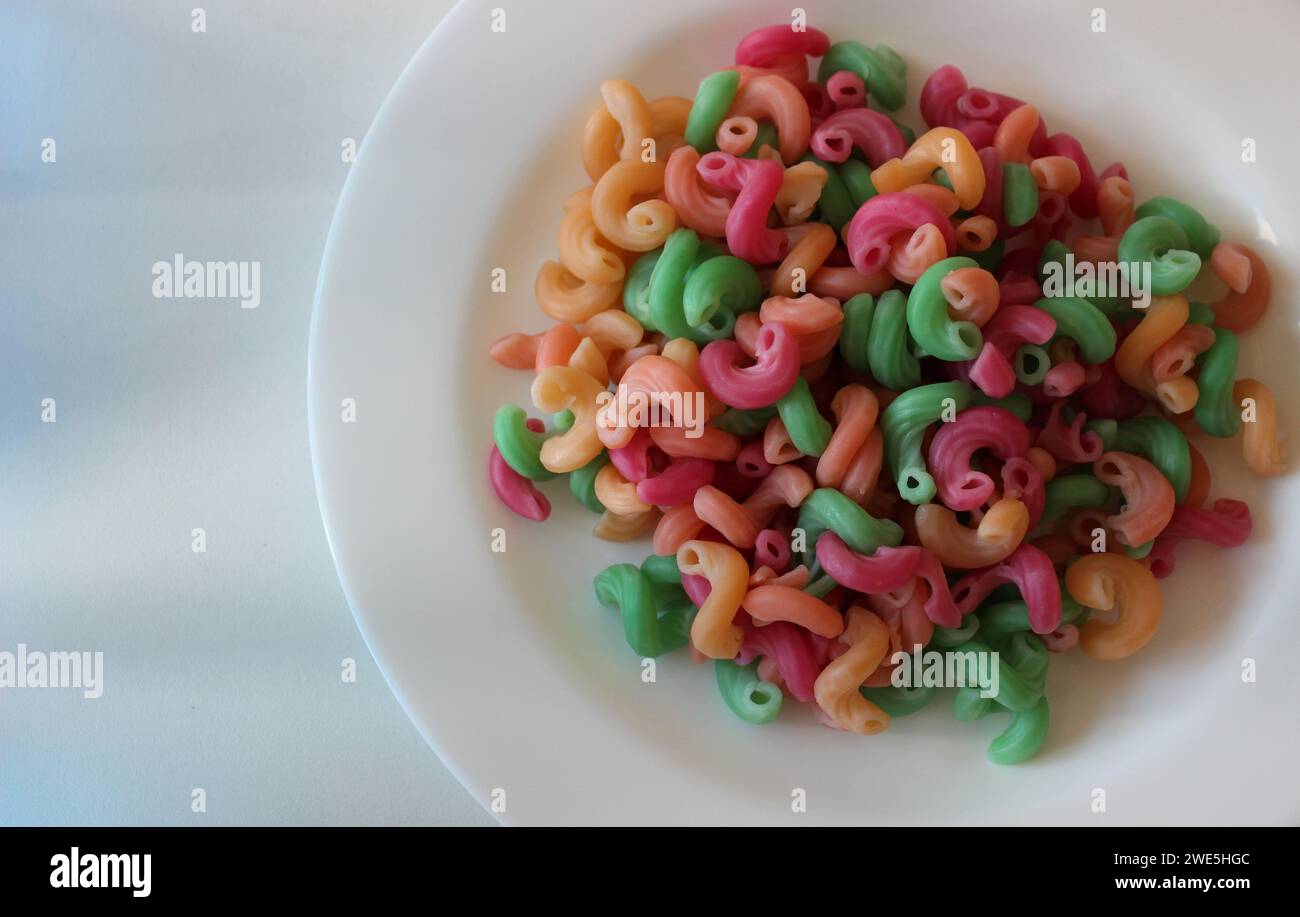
(521,681)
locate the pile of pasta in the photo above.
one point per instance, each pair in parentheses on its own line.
(908,442)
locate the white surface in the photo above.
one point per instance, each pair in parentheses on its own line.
(222,669)
(506,662)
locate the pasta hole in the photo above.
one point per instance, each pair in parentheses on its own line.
(978,104)
(1052,208)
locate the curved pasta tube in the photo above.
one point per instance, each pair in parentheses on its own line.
(771,98)
(801,187)
(885,570)
(1161,242)
(1217,413)
(999,533)
(737,135)
(677,483)
(855,408)
(581,249)
(827,509)
(766,46)
(1056,173)
(1201,236)
(712,443)
(871,230)
(859,312)
(588,358)
(1160,442)
(616,129)
(972,294)
(1177,355)
(862,475)
(1263,452)
(1148,497)
(627,589)
(777,445)
(1022,739)
(1069,441)
(845,90)
(836,688)
(808,429)
(1083,323)
(676,527)
(722,285)
(1164,317)
(666,290)
(785,603)
(668,116)
(745,694)
(563,388)
(653,378)
(636,227)
(889,346)
(696,206)
(814,321)
(775,369)
(873,133)
(713,632)
(758,182)
(613,330)
(582,483)
(1115,205)
(556,346)
(515,350)
(879,67)
(904,424)
(715,508)
(943,148)
(515,491)
(712,100)
(805,255)
(1033,574)
(617,494)
(976,233)
(1014,133)
(928,319)
(1020,197)
(958,484)
(912,256)
(786,485)
(1248,282)
(520,442)
(1115,581)
(566,297)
